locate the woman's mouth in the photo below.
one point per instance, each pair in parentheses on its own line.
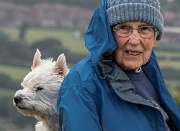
(133,53)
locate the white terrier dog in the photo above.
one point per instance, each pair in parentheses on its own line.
(40,90)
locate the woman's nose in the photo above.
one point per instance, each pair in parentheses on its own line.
(134,38)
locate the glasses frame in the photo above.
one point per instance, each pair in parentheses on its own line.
(117,27)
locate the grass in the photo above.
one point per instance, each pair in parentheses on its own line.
(12,32)
(16,73)
(170,64)
(67,37)
(6,92)
(168,54)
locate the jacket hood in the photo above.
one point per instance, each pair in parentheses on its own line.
(99,38)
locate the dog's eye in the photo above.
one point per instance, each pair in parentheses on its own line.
(39,88)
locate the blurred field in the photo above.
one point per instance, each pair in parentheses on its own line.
(67,37)
(6,92)
(15,73)
(167,59)
(169,64)
(74,44)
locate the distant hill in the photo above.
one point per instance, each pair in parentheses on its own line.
(170,5)
(88,4)
(66,13)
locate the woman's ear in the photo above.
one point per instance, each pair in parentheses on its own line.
(155,44)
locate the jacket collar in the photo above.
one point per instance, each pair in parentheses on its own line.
(118,80)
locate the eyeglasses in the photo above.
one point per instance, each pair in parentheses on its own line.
(146,32)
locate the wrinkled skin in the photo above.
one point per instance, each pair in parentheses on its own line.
(133,51)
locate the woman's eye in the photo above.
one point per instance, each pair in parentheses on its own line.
(144,28)
(125,28)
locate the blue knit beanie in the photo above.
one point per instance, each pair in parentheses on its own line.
(148,11)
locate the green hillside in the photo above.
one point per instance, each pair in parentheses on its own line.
(12,76)
(67,37)
(15,73)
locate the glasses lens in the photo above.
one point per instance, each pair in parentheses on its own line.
(146,31)
(122,30)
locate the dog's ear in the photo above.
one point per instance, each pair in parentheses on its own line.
(61,67)
(37,59)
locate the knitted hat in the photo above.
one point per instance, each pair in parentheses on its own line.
(148,11)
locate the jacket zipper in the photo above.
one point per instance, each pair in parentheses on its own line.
(156,120)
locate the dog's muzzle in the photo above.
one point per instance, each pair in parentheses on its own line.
(17,100)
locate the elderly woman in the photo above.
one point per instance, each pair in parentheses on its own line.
(119,86)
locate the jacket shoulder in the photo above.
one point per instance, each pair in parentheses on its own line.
(82,75)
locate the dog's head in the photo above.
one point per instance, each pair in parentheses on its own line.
(40,87)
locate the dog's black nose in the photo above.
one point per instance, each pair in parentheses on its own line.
(17,99)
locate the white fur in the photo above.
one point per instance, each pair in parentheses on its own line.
(40,90)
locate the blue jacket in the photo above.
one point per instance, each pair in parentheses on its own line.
(97,95)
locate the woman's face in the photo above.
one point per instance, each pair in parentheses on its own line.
(133,51)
